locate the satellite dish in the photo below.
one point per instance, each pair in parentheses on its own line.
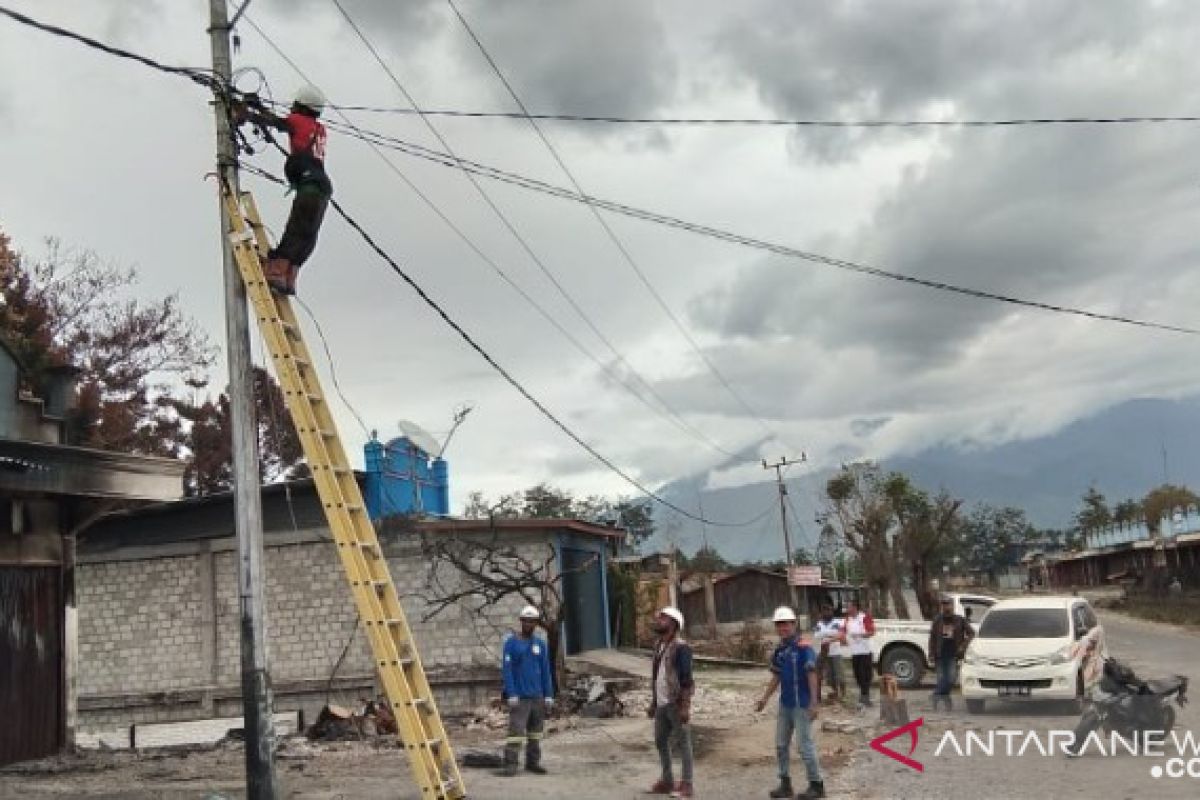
(420,437)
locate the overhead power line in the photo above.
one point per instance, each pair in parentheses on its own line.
(775,122)
(665,411)
(495,365)
(201,75)
(445,159)
(672,415)
(369,240)
(626,255)
(553,190)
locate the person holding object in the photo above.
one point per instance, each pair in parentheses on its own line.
(529,689)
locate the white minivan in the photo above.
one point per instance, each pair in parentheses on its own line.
(1034,648)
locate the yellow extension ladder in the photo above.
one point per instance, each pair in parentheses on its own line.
(420,727)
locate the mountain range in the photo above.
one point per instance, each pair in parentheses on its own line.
(1124,451)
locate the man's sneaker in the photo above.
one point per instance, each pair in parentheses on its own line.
(507,771)
(783,790)
(683,789)
(536,769)
(815,789)
(661,787)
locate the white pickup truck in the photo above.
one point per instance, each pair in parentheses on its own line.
(899,646)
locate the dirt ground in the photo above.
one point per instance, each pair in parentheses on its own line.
(587,758)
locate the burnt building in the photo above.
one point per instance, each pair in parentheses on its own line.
(50,492)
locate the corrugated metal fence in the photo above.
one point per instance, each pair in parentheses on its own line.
(30,662)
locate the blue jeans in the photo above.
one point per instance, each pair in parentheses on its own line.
(667,728)
(947,666)
(796,719)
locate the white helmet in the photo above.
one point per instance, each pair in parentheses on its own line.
(529,612)
(675,614)
(310,97)
(784,614)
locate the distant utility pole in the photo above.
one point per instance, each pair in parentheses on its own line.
(787,536)
(256,685)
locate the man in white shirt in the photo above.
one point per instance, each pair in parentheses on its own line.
(827,633)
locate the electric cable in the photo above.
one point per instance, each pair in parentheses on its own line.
(626,255)
(523,242)
(605,368)
(492,362)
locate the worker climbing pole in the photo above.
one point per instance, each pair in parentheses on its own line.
(397,661)
(268,275)
(305,172)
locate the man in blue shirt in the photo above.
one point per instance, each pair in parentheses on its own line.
(530,692)
(794,673)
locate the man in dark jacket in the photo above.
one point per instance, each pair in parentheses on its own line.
(949,636)
(671,701)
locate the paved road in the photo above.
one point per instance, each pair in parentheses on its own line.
(1153,650)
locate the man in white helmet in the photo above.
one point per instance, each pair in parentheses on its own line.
(671,701)
(529,690)
(305,171)
(794,673)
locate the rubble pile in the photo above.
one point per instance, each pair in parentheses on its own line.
(336,723)
(596,697)
(707,703)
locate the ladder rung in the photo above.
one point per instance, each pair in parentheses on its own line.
(402,662)
(347,513)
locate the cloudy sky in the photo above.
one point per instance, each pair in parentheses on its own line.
(110,156)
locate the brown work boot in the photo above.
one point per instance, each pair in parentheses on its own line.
(293,272)
(660,787)
(683,789)
(276,274)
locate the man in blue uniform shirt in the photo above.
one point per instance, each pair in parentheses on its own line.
(530,692)
(794,673)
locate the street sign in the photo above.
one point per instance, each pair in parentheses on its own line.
(805,576)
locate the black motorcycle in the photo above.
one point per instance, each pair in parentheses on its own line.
(1126,705)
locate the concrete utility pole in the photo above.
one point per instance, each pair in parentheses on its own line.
(787,537)
(256,685)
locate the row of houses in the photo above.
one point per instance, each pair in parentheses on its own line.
(1128,554)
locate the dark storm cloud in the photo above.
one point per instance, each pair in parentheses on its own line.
(1086,216)
(845,60)
(569,57)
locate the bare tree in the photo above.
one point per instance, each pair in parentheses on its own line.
(860,509)
(477,575)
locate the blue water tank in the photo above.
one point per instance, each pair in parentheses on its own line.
(403,479)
